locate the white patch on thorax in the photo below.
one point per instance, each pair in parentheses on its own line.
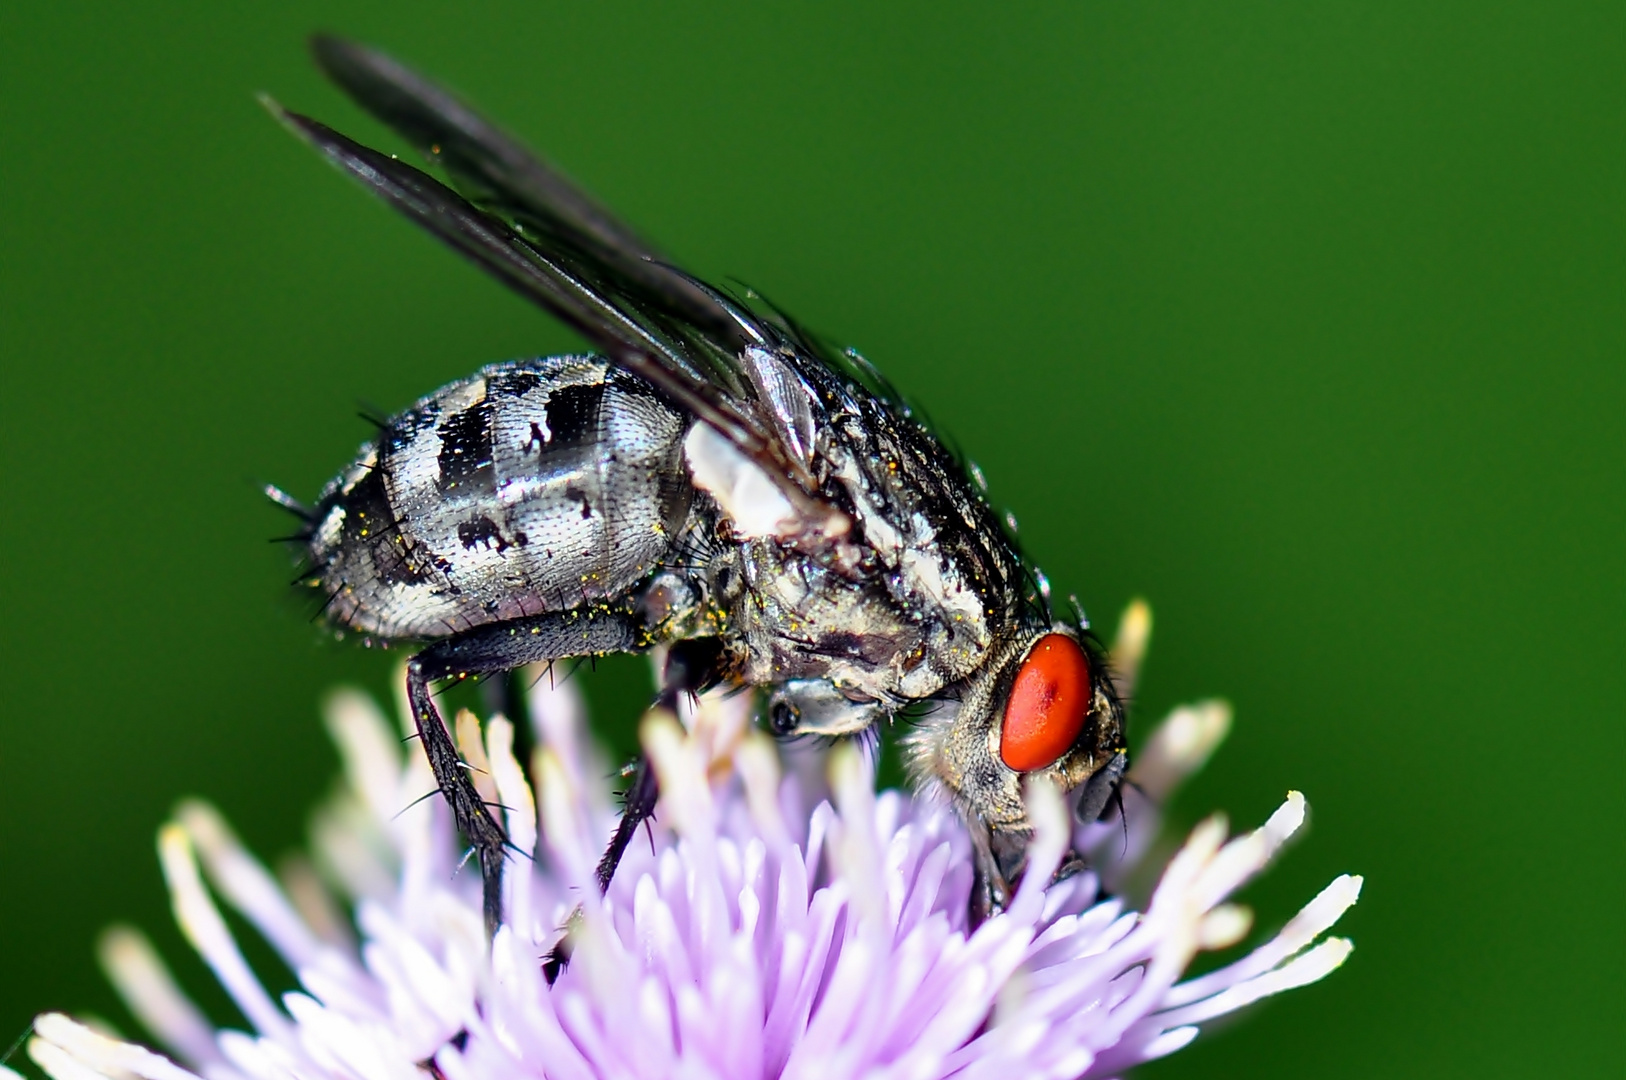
(750,498)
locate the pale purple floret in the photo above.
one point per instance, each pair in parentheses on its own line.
(793,925)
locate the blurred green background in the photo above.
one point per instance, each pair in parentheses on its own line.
(1304,321)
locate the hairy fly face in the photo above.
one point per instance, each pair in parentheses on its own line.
(1044,707)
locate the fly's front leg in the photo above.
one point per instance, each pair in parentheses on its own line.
(484,650)
(991,887)
(999,857)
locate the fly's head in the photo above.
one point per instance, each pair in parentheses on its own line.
(1043,706)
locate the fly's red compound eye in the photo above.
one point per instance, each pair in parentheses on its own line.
(1047,706)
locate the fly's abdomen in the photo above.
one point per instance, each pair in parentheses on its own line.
(533,486)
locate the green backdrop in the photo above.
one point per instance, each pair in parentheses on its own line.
(1304,321)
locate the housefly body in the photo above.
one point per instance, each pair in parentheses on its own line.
(711,479)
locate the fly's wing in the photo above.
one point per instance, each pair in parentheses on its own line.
(501,176)
(527,226)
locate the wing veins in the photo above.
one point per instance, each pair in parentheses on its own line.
(499,174)
(496,248)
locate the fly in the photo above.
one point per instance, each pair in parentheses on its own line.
(711,479)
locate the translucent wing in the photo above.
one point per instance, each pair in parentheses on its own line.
(500,175)
(522,222)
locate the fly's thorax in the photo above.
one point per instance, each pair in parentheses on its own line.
(963,747)
(799,618)
(915,595)
(532,486)
(933,542)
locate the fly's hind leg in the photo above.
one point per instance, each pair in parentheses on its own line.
(493,649)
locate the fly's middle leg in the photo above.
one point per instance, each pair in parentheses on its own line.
(691,666)
(492,649)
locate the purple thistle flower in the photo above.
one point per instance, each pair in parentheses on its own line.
(776,926)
